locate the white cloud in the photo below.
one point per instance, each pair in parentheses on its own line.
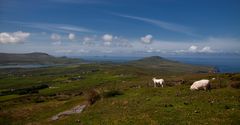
(66,28)
(107,38)
(15,37)
(162,24)
(55,37)
(193,48)
(147,39)
(70,28)
(206,49)
(71,36)
(196,49)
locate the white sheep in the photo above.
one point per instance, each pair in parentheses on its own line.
(201,84)
(158,81)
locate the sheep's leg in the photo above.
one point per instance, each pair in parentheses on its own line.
(154,85)
(209,87)
(205,88)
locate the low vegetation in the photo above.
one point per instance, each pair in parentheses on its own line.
(93,96)
(22,91)
(111,93)
(118,94)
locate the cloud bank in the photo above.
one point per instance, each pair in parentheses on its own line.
(196,49)
(115,45)
(15,37)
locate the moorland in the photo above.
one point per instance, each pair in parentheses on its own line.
(116,93)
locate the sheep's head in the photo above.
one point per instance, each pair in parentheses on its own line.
(213,78)
(192,88)
(153,78)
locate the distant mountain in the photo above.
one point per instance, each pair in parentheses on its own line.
(165,65)
(34,58)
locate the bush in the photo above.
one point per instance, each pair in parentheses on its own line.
(62,97)
(235,85)
(22,91)
(93,96)
(219,83)
(39,100)
(111,93)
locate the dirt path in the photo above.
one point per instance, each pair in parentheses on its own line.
(76,109)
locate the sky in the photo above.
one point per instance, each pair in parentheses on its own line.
(120,27)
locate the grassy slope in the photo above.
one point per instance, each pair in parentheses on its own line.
(34,58)
(145,105)
(163,106)
(163,66)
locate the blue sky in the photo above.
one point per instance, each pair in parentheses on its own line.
(114,27)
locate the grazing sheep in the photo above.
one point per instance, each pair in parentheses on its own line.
(201,84)
(157,82)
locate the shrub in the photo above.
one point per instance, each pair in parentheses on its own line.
(235,78)
(62,97)
(111,93)
(39,100)
(235,85)
(219,83)
(22,91)
(93,96)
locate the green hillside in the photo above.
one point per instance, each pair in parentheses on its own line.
(117,94)
(34,58)
(163,65)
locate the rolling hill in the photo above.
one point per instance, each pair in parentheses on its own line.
(34,58)
(165,65)
(155,63)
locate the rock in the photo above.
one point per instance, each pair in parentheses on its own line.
(77,109)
